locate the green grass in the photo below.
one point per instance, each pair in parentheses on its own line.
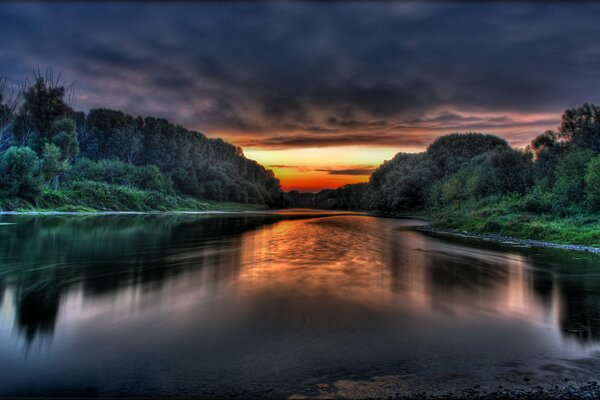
(504,216)
(86,196)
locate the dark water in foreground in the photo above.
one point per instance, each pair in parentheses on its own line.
(288,304)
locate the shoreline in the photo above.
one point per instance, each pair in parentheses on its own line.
(75,213)
(496,238)
(487,237)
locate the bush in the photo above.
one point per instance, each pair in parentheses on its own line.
(103,196)
(538,201)
(20,174)
(147,177)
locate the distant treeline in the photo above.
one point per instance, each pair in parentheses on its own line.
(557,173)
(48,150)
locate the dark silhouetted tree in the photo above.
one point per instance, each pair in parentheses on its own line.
(581,126)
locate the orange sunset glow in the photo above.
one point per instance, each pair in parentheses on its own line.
(314,169)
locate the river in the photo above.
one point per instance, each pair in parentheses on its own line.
(285,304)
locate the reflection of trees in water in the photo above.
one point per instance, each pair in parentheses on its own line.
(37,311)
(42,258)
(564,283)
(573,280)
(580,311)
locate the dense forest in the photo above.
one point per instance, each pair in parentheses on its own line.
(548,190)
(53,157)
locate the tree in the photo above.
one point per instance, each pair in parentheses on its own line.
(112,135)
(9,100)
(60,151)
(20,173)
(406,185)
(502,171)
(546,150)
(450,152)
(64,135)
(581,126)
(43,104)
(592,183)
(569,188)
(53,164)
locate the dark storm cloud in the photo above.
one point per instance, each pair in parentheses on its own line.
(318,74)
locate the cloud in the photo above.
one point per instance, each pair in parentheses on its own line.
(312,74)
(343,139)
(349,171)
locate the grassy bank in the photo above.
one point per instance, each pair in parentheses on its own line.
(98,196)
(506,216)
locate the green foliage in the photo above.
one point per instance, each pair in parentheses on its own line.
(450,152)
(52,163)
(454,188)
(592,183)
(504,216)
(20,175)
(119,173)
(150,154)
(406,185)
(43,104)
(501,171)
(581,126)
(106,197)
(109,134)
(197,166)
(546,151)
(569,188)
(64,135)
(539,201)
(551,177)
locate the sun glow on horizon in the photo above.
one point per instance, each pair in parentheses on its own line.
(316,168)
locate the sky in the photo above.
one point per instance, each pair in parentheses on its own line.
(319,92)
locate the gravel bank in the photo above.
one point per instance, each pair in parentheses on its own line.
(508,240)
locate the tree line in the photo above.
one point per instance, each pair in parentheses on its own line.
(46,147)
(557,173)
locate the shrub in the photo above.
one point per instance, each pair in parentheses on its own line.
(119,173)
(20,174)
(538,201)
(103,196)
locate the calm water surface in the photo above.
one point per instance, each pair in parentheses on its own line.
(284,304)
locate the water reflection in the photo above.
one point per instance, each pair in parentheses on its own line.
(42,258)
(271,301)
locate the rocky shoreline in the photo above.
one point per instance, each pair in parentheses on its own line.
(508,239)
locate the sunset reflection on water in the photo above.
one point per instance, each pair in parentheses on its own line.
(234,303)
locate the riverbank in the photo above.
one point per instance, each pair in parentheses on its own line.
(102,198)
(203,208)
(507,239)
(578,233)
(505,219)
(569,392)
